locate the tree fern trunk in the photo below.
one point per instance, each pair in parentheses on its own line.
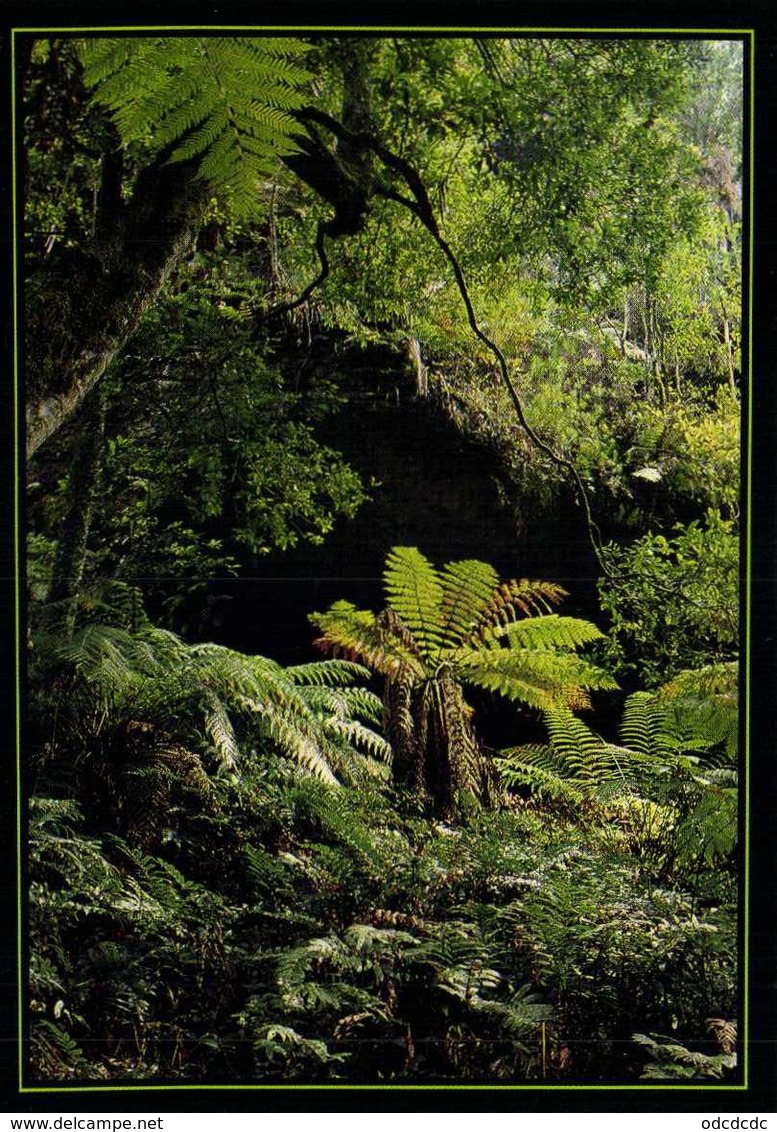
(81,309)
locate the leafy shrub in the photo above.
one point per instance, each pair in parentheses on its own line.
(673,603)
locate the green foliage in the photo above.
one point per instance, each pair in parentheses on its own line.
(303,933)
(235,873)
(226,102)
(663,793)
(455,626)
(122,944)
(704,702)
(691,451)
(616,951)
(65,140)
(212,462)
(673,602)
(575,765)
(149,715)
(671,1061)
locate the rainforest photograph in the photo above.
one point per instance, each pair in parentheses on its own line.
(384,399)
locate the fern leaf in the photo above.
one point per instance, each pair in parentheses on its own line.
(704,703)
(641,723)
(710,831)
(551,631)
(219,730)
(332,673)
(518,768)
(227,101)
(539,678)
(357,634)
(467,590)
(361,737)
(513,599)
(573,742)
(414,591)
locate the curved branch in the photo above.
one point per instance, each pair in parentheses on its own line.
(284,308)
(560,461)
(421,207)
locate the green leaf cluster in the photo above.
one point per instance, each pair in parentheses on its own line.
(673,602)
(224,102)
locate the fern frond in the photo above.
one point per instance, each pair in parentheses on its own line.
(374,942)
(292,735)
(219,730)
(415,593)
(520,1015)
(512,599)
(467,590)
(672,1061)
(681,718)
(551,631)
(226,100)
(542,679)
(704,703)
(518,767)
(710,831)
(358,634)
(329,673)
(360,737)
(577,760)
(363,704)
(724,1032)
(153,679)
(641,724)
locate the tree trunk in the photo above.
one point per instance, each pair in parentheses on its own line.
(81,309)
(729,349)
(82,493)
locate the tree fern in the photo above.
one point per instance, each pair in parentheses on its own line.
(226,102)
(450,627)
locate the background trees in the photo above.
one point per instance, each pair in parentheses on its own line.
(268,281)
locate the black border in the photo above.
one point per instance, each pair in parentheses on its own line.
(761,1094)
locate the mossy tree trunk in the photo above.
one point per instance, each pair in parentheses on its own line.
(82,308)
(83,493)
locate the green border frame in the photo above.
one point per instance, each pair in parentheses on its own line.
(746,35)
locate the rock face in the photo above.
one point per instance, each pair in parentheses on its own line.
(432,487)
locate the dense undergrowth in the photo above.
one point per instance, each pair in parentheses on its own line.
(230,881)
(297,932)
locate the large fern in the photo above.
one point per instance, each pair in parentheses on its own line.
(703,703)
(225,101)
(576,764)
(662,786)
(456,626)
(154,712)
